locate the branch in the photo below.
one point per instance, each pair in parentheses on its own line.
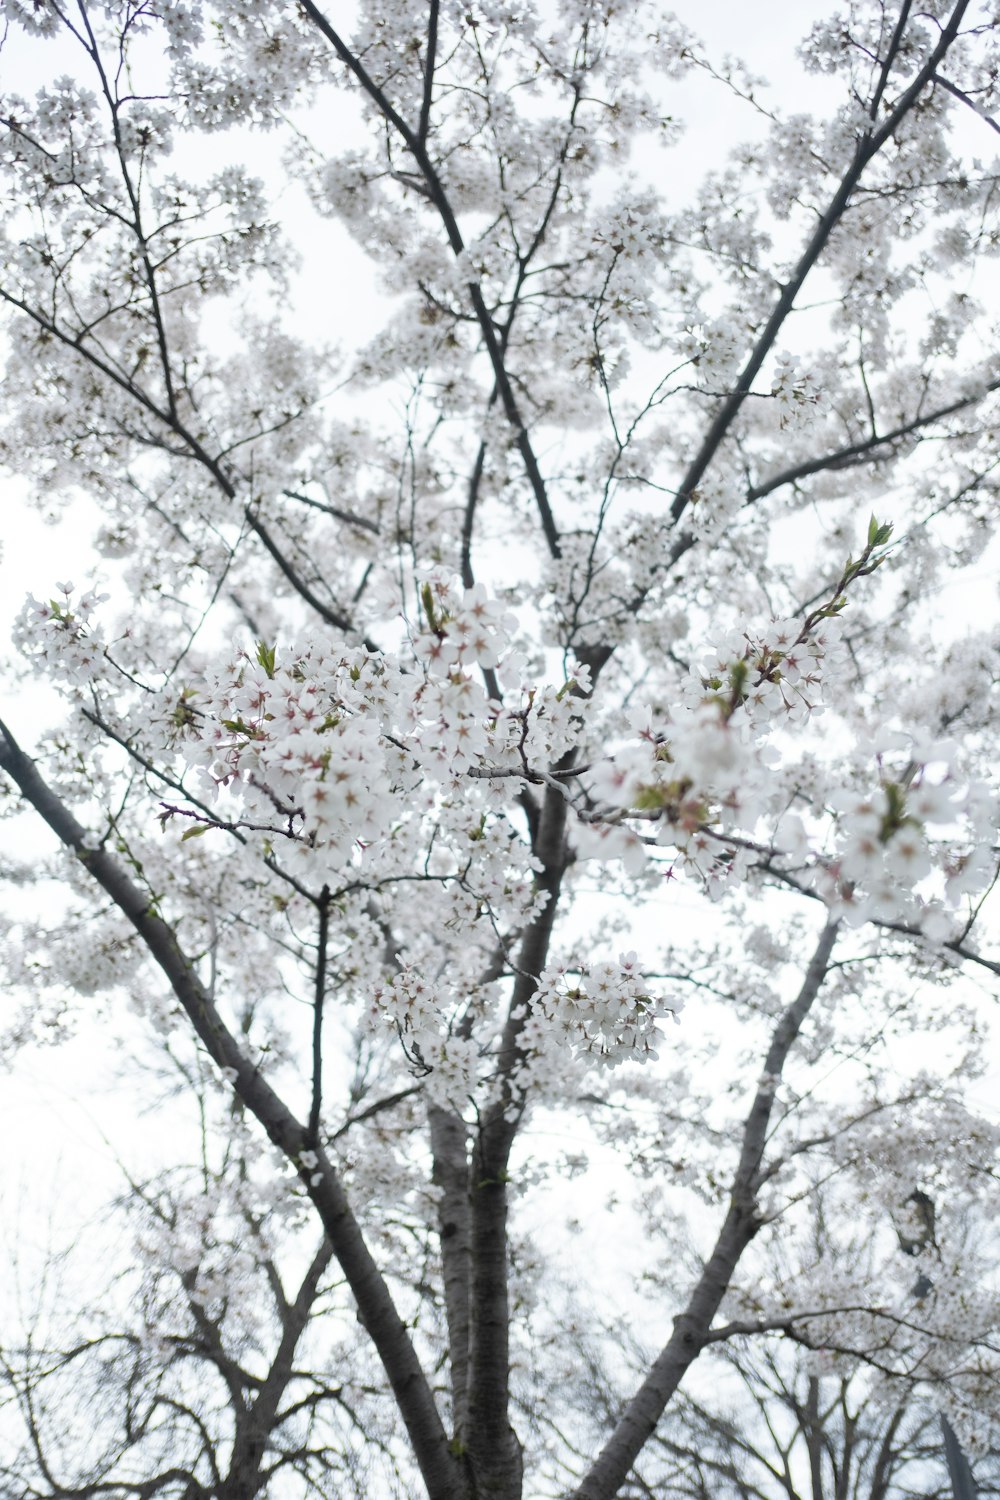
(196,450)
(349,517)
(858,453)
(435,191)
(330,616)
(376,1309)
(425,106)
(867,148)
(376,1108)
(956,946)
(469,514)
(786,1323)
(262,1420)
(691,1328)
(890,57)
(312,1130)
(965,98)
(114,106)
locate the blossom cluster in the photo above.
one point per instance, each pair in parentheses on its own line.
(301,742)
(605,1010)
(679,774)
(603,1013)
(771,674)
(471,630)
(437,1049)
(715,780)
(58,635)
(336,750)
(708,762)
(453,724)
(795,391)
(328,745)
(909,846)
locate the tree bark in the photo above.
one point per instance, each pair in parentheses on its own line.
(449,1145)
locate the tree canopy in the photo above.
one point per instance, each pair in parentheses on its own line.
(544,745)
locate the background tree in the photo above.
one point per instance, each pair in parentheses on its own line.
(212,1361)
(814,1415)
(537,595)
(798,1436)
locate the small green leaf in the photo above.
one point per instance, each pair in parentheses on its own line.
(427,600)
(195,832)
(266,656)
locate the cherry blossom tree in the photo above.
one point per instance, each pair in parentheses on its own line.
(440,714)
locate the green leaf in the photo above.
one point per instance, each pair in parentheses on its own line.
(195,832)
(266,656)
(427,600)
